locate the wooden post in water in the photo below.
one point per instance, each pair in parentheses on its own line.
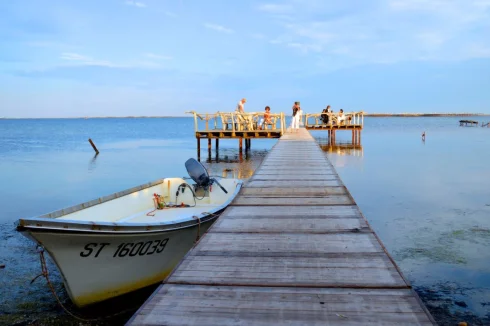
(217,144)
(93,146)
(247,144)
(240,144)
(198,148)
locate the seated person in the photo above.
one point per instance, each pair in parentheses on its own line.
(266,120)
(341,116)
(325,115)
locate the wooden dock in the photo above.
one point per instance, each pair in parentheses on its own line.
(292,249)
(353,121)
(466,123)
(253,125)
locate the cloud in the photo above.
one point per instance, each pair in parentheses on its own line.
(80,59)
(257,36)
(382,31)
(218,28)
(275,8)
(76,59)
(157,56)
(48,44)
(135,4)
(137,75)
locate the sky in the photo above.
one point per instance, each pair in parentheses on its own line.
(73,58)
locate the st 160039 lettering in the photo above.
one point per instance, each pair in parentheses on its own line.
(124,249)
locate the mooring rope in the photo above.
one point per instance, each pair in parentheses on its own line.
(45,274)
(198,228)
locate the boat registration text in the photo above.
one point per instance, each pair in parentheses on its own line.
(130,249)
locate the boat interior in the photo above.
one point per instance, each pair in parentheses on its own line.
(178,200)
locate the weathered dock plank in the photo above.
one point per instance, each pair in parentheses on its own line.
(293,183)
(287,201)
(240,305)
(290,192)
(292,249)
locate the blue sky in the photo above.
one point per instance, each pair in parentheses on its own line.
(63,58)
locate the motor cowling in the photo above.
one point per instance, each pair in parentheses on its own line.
(198,173)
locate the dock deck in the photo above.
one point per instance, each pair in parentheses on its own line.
(292,249)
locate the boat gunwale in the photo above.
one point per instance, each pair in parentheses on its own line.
(48,222)
(107,228)
(90,203)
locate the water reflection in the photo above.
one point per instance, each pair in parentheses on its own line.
(236,158)
(239,172)
(233,163)
(339,148)
(92,164)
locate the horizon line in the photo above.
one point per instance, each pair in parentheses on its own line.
(406,114)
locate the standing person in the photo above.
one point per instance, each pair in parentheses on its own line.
(300,116)
(240,106)
(326,114)
(295,117)
(239,113)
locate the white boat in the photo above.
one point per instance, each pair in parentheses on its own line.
(123,242)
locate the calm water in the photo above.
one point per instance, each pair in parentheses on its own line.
(428,201)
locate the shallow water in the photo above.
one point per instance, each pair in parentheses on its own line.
(428,201)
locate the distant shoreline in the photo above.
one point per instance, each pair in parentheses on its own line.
(378,115)
(426,114)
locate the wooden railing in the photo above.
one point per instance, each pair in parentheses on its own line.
(349,119)
(234,121)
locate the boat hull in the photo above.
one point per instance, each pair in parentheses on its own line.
(99,266)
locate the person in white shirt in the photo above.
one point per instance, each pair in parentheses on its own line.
(295,118)
(240,105)
(300,117)
(341,117)
(240,111)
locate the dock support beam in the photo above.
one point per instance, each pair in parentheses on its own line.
(240,144)
(356,136)
(198,148)
(332,136)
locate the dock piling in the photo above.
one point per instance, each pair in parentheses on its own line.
(93,146)
(198,148)
(247,144)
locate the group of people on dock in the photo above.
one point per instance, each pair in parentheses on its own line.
(266,119)
(329,117)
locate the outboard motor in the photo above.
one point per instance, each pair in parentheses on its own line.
(200,175)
